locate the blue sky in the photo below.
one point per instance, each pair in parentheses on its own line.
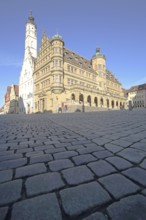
(117,27)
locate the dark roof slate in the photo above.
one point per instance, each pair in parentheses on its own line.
(138,87)
(111,77)
(81,62)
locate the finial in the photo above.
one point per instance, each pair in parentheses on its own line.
(44,32)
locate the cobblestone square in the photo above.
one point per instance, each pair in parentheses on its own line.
(73,166)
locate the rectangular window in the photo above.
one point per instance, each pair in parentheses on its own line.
(68,68)
(69,81)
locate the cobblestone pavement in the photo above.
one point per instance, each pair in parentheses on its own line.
(89,166)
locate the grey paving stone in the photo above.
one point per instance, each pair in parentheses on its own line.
(91,145)
(139,145)
(65,155)
(43,183)
(144,192)
(118,185)
(112,136)
(3,213)
(10,192)
(80,142)
(133,155)
(43,207)
(119,163)
(102,154)
(58,145)
(79,199)
(101,168)
(4,153)
(75,147)
(131,138)
(41,158)
(83,159)
(143,164)
(96,216)
(91,149)
(101,141)
(13,163)
(130,208)
(16,147)
(10,157)
(77,175)
(143,140)
(5,175)
(43,147)
(58,165)
(113,148)
(3,148)
(30,170)
(137,174)
(51,142)
(55,150)
(122,143)
(34,153)
(2,141)
(25,150)
(22,143)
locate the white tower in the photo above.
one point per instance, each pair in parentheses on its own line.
(26,76)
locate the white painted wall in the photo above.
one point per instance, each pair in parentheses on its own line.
(26,92)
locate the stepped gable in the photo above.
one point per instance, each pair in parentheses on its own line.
(7,95)
(16,88)
(73,58)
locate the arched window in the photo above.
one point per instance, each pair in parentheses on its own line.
(81,98)
(112,104)
(101,102)
(89,99)
(107,101)
(96,101)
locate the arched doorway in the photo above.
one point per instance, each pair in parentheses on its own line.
(28,108)
(72,97)
(81,98)
(96,101)
(101,102)
(120,105)
(107,103)
(89,100)
(112,104)
(117,104)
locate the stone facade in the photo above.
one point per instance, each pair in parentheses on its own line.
(26,76)
(67,81)
(137,96)
(11,100)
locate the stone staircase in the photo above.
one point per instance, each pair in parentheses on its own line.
(80,108)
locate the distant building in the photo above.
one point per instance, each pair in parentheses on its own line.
(26,75)
(11,100)
(137,96)
(2,110)
(67,81)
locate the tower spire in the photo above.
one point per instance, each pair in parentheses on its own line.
(30,18)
